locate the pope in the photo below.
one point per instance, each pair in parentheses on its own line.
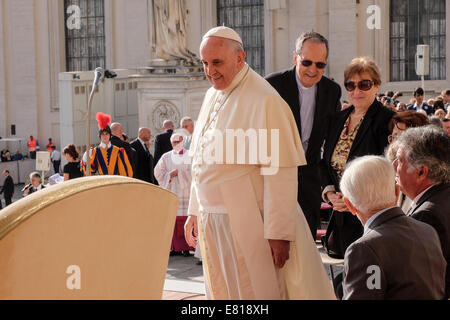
(255,241)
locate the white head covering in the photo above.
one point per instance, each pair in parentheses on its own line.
(223,32)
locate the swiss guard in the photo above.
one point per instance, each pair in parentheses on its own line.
(106,159)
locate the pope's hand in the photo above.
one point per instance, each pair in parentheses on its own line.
(280,252)
(191,231)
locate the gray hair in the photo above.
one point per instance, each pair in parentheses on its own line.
(428,146)
(167,124)
(35,175)
(311,36)
(369,183)
(186,119)
(436,121)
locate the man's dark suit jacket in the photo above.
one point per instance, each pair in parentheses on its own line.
(433,208)
(8,187)
(131,153)
(428,109)
(162,145)
(144,163)
(327,104)
(371,139)
(408,255)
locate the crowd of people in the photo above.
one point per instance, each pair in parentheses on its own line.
(383,166)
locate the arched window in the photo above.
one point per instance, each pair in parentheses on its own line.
(85,42)
(246,17)
(414,22)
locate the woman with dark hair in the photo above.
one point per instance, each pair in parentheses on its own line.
(73,168)
(404,120)
(360,130)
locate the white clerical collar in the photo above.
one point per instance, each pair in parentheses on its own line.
(236,79)
(417,198)
(104,146)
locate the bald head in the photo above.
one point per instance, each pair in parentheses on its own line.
(222,60)
(144,134)
(117,130)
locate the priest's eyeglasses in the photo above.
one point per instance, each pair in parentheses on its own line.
(319,65)
(364,85)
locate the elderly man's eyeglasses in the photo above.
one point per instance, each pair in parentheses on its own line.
(364,85)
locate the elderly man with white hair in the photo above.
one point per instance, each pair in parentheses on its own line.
(255,241)
(173,172)
(397,257)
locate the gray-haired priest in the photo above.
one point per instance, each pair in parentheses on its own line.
(255,241)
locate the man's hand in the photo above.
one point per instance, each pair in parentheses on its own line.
(337,200)
(280,252)
(191,231)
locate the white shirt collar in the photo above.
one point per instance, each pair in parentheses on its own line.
(143,143)
(417,198)
(372,218)
(419,107)
(104,146)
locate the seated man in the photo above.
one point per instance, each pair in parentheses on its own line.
(423,173)
(398,257)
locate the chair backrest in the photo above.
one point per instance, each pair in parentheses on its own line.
(90,238)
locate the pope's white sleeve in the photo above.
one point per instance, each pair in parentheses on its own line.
(193,202)
(280,204)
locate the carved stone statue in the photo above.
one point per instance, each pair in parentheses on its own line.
(169,32)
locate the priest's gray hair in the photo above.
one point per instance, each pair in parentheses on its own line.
(186,119)
(428,146)
(35,175)
(369,183)
(311,36)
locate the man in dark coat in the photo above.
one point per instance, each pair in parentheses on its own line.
(397,257)
(7,189)
(423,172)
(162,140)
(144,159)
(313,99)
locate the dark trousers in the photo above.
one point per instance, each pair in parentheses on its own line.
(8,200)
(32,154)
(310,196)
(56,165)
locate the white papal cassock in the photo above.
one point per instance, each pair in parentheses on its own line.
(239,209)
